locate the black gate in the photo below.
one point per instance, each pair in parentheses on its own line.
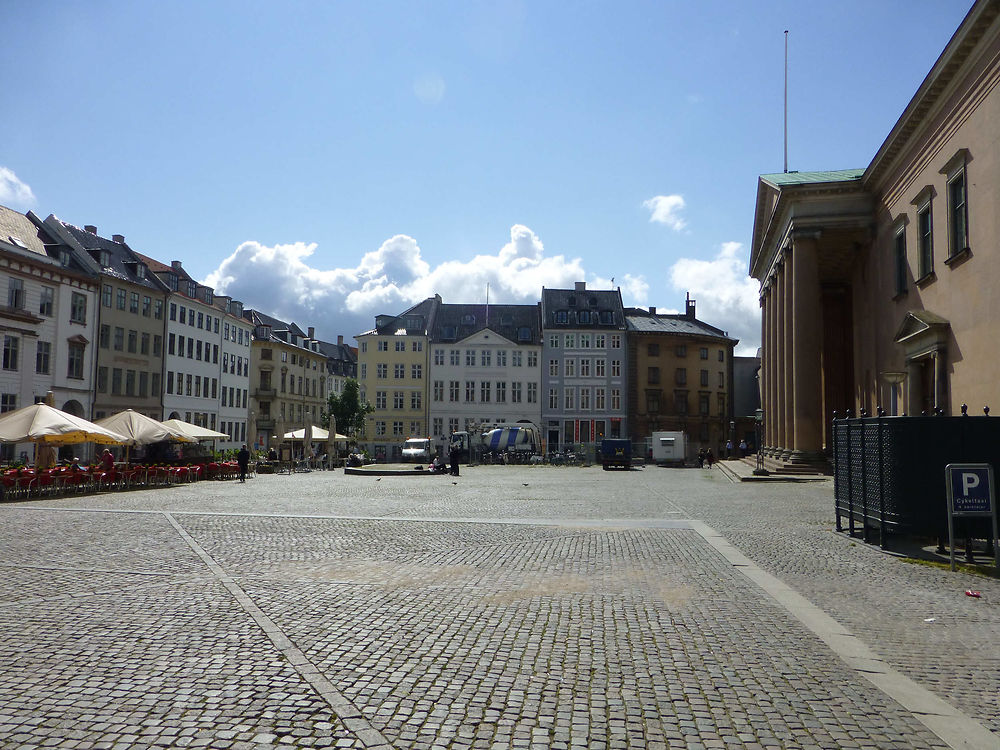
(889,472)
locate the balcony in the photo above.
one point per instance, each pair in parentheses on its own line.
(265,393)
(265,423)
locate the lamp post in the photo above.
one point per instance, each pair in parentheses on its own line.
(758,424)
(894,379)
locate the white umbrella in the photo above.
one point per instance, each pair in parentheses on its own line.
(193,431)
(40,423)
(141,429)
(318,433)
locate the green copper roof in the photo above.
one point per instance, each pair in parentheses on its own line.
(804,178)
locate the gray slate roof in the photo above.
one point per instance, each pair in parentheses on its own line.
(123,261)
(574,301)
(457,322)
(641,321)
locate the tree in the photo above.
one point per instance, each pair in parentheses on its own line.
(348,410)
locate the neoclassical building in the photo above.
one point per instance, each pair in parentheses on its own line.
(878,284)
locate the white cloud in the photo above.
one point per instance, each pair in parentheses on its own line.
(13,192)
(726,296)
(429,88)
(281,281)
(665,209)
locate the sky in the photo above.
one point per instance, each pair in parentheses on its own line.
(327,162)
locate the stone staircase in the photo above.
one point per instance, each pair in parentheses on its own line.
(788,468)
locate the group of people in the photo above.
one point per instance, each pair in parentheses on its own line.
(742,448)
(705,458)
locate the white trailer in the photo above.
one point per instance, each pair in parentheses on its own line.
(669,448)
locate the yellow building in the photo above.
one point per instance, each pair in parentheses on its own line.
(393,376)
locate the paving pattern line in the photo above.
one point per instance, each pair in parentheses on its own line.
(954,727)
(347,712)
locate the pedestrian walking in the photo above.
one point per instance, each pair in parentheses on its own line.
(453,458)
(243,459)
(709,458)
(701,459)
(729,449)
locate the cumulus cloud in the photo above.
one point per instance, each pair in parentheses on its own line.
(13,192)
(283,280)
(665,209)
(727,298)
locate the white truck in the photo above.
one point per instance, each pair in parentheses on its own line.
(669,448)
(417,451)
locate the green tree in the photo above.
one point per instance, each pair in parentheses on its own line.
(347,409)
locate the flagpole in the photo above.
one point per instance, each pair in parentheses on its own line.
(786,100)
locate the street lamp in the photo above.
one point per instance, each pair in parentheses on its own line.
(759,470)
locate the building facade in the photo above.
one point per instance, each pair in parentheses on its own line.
(680,378)
(584,366)
(287,379)
(392,373)
(484,367)
(48,322)
(877,284)
(130,324)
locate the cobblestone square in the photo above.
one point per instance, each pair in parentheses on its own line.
(513,607)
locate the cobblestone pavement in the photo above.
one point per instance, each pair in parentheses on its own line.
(524,607)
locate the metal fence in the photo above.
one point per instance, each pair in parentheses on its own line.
(889,472)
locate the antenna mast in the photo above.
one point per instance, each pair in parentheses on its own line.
(786,101)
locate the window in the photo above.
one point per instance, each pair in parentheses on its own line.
(121,299)
(144,344)
(553,398)
(170,384)
(554,368)
(106,295)
(958,215)
(653,375)
(43,354)
(532,359)
(133,337)
(584,368)
(599,367)
(364,370)
(585,399)
(653,350)
(454,356)
(453,386)
(157,345)
(438,391)
(45,301)
(470,357)
(119,345)
(616,341)
(146,305)
(417,346)
(681,376)
(569,399)
(380,399)
(703,352)
(381,370)
(399,371)
(653,402)
(532,393)
(75,367)
(397,428)
(554,341)
(899,261)
(364,347)
(116,381)
(616,368)
(501,392)
(681,350)
(562,317)
(415,400)
(681,402)
(502,358)
(515,358)
(570,367)
(437,426)
(599,399)
(158,309)
(438,357)
(78,308)
(8,402)
(400,346)
(102,379)
(515,393)
(417,372)
(722,355)
(470,391)
(104,337)
(722,380)
(484,391)
(383,346)
(583,317)
(570,341)
(379,427)
(704,379)
(133,303)
(452,424)
(703,404)
(397,399)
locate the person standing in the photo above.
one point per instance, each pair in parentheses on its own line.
(453,458)
(243,459)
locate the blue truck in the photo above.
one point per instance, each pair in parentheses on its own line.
(616,453)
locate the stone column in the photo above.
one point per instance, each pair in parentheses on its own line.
(914,388)
(787,374)
(806,347)
(767,400)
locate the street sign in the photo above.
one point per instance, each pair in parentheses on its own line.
(970,493)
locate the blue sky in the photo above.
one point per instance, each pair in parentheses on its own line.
(330,161)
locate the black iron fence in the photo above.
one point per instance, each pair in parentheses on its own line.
(889,473)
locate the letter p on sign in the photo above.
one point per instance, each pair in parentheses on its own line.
(969,481)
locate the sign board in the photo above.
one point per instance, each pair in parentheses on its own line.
(970,493)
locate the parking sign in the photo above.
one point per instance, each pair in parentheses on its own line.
(970,493)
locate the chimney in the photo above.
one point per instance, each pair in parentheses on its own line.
(580,286)
(119,238)
(689,307)
(90,228)
(340,340)
(176,265)
(652,310)
(312,332)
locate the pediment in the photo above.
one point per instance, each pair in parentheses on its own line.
(485,337)
(921,324)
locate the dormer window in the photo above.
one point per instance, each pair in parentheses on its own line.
(562,317)
(209,296)
(104,258)
(172,281)
(607,317)
(237,309)
(524,333)
(584,316)
(468,320)
(506,319)
(140,271)
(571,301)
(192,289)
(64,258)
